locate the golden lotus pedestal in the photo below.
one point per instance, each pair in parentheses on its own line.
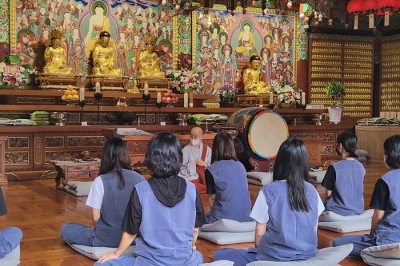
(155,84)
(261,99)
(57,81)
(112,83)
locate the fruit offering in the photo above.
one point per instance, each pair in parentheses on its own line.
(70,94)
(169,97)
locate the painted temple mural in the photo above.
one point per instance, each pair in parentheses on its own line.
(216,44)
(224,44)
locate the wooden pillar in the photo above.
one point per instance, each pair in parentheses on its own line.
(3,178)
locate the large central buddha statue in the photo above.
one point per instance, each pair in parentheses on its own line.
(149,62)
(103,56)
(251,78)
(55,56)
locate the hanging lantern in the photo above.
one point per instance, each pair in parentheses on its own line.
(355,7)
(301,15)
(370,7)
(164,2)
(289,4)
(396,5)
(385,8)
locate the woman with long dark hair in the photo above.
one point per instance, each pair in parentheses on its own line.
(163,214)
(286,212)
(108,197)
(226,181)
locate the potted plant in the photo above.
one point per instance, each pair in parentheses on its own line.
(336,91)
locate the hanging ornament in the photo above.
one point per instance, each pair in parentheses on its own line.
(177,7)
(254,3)
(385,8)
(301,15)
(306,19)
(164,2)
(356,21)
(320,17)
(244,11)
(315,14)
(289,4)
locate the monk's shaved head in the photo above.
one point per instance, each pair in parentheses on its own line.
(196,131)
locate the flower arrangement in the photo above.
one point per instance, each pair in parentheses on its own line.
(185,80)
(286,93)
(14,74)
(227,93)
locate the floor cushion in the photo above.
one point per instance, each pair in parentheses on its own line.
(382,255)
(226,231)
(12,259)
(327,257)
(317,176)
(227,225)
(225,238)
(330,216)
(96,252)
(219,263)
(346,226)
(259,178)
(78,188)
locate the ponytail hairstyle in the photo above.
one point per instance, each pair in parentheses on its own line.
(349,143)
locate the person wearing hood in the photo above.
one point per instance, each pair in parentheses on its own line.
(164,213)
(196,158)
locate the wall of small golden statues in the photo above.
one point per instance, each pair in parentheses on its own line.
(345,59)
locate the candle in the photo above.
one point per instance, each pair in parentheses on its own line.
(185,99)
(158,97)
(303,98)
(271,98)
(82,94)
(146,88)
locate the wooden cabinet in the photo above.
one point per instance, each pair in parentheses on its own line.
(346,59)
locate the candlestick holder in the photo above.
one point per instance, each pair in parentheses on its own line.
(81,105)
(146,99)
(159,105)
(98,96)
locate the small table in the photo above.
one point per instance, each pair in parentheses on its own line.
(75,170)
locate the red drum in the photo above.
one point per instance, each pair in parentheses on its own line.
(261,131)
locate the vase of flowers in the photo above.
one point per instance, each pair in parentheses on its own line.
(185,81)
(336,91)
(14,75)
(227,95)
(286,94)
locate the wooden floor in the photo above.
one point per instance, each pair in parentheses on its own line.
(39,210)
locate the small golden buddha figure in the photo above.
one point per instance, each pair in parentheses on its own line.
(251,77)
(103,56)
(149,62)
(55,56)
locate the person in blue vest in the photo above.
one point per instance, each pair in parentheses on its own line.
(164,213)
(286,212)
(385,225)
(344,180)
(108,197)
(226,180)
(10,237)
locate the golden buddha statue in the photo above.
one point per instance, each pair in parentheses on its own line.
(103,57)
(149,62)
(251,78)
(55,56)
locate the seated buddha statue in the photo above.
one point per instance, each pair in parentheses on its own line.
(149,62)
(55,56)
(103,57)
(251,77)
